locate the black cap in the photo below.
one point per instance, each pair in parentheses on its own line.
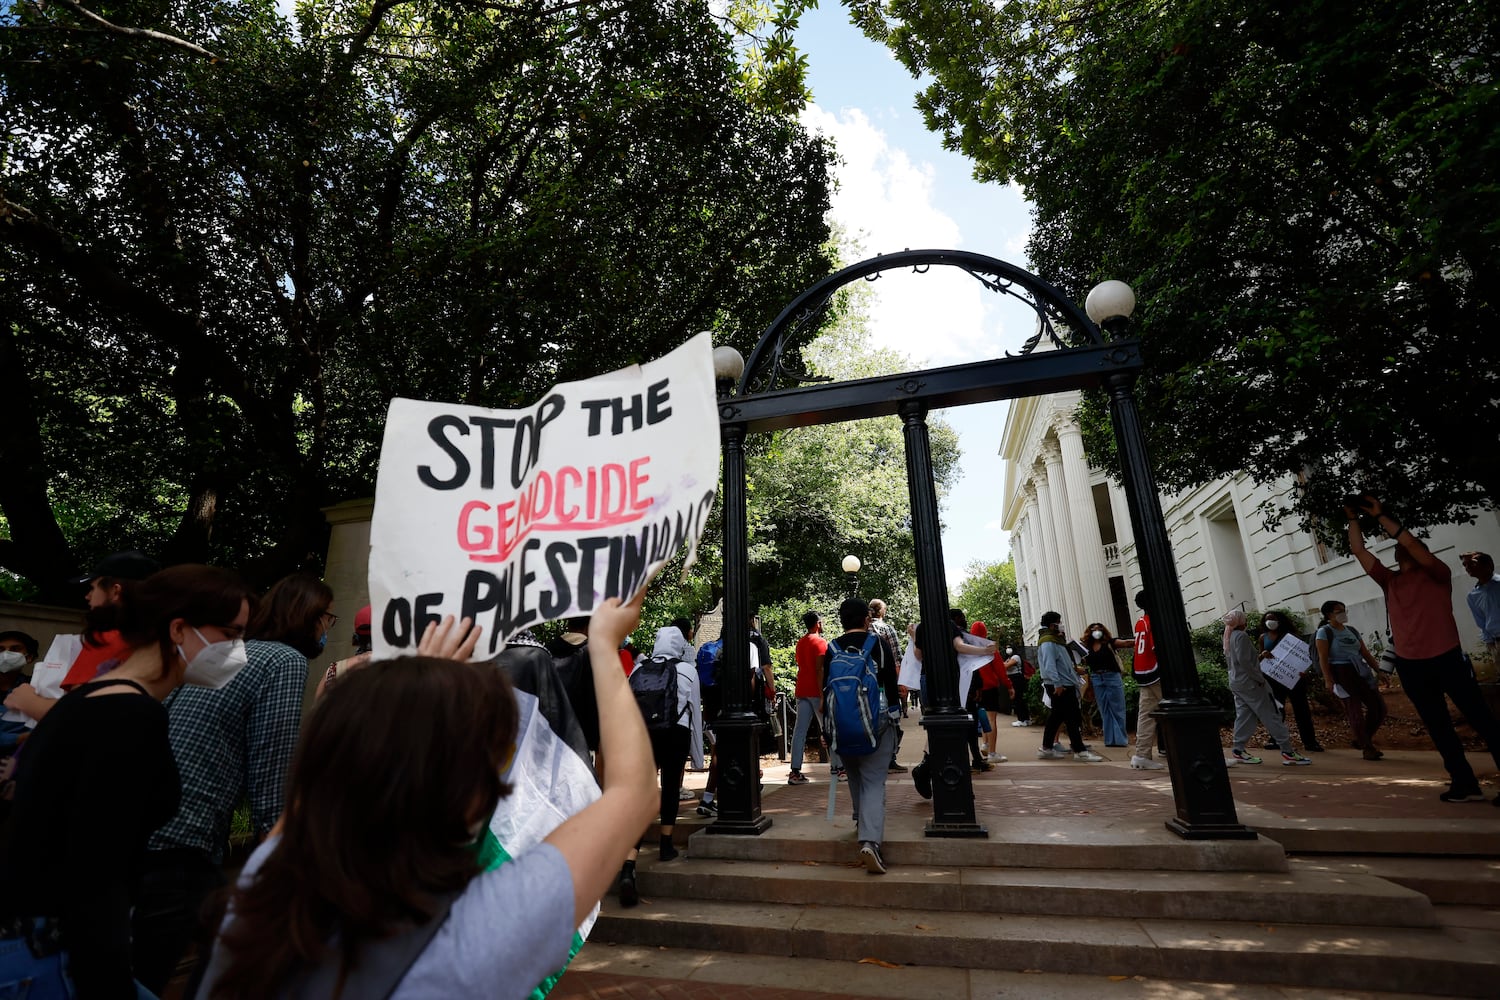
(132,564)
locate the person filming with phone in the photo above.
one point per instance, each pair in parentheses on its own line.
(1429,655)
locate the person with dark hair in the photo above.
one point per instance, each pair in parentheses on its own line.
(991,678)
(18,651)
(1349,671)
(1484,599)
(1148,686)
(1061,680)
(1429,654)
(809,692)
(62,888)
(380,882)
(1109,685)
(363,640)
(111,579)
(1275,629)
(867,772)
(231,743)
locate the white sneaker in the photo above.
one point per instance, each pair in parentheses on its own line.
(997,758)
(1087,755)
(1146,764)
(1018,723)
(1051,753)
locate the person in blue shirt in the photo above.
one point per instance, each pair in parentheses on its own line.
(1060,681)
(1484,598)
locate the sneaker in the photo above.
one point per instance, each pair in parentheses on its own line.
(1292,758)
(797,778)
(629,894)
(1146,764)
(1019,723)
(1456,794)
(981,765)
(1370,753)
(841,774)
(708,809)
(686,795)
(897,768)
(1245,757)
(1087,755)
(1051,753)
(1313,747)
(997,758)
(873,862)
(1271,745)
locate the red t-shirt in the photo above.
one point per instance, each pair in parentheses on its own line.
(1421,607)
(627,661)
(86,667)
(1145,665)
(810,650)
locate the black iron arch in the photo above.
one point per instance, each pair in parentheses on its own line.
(1085,357)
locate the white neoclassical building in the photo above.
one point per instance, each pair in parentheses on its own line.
(1075,553)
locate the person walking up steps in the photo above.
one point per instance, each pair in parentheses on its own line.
(1252,695)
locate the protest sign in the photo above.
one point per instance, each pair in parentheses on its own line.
(515,517)
(1288,661)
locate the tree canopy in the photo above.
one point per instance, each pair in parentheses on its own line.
(988,594)
(228,239)
(1304,196)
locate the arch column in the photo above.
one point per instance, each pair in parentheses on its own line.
(1093,577)
(1074,617)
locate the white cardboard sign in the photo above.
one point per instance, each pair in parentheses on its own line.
(1289,660)
(515,517)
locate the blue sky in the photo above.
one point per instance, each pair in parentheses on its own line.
(899,189)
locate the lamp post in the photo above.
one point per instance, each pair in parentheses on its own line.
(1189,722)
(737,730)
(851,566)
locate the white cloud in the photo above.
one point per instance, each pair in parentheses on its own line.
(885,200)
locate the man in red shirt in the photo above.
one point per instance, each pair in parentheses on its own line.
(810,650)
(1429,654)
(1148,683)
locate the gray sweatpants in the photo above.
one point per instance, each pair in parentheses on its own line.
(1252,705)
(867,773)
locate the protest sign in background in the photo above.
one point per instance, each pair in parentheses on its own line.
(1288,661)
(515,517)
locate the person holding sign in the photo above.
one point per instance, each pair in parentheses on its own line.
(1277,633)
(397,775)
(1252,697)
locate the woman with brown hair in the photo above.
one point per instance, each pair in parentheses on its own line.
(65,890)
(1108,683)
(373,883)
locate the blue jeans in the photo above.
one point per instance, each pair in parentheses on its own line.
(25,976)
(1109,695)
(806,709)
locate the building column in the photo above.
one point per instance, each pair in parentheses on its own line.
(1093,577)
(1119,508)
(1052,592)
(1043,596)
(1020,552)
(1074,616)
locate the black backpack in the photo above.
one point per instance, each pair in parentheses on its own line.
(654,684)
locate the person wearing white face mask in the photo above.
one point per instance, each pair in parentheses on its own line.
(18,652)
(65,893)
(1349,671)
(233,739)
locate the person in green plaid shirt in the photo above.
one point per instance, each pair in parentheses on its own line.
(231,744)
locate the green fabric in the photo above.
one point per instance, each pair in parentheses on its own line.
(491,856)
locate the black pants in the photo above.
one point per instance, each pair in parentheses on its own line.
(169,915)
(669,748)
(1018,683)
(1425,683)
(1064,712)
(1297,696)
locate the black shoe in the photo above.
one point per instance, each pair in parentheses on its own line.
(922,780)
(1456,794)
(629,895)
(1272,745)
(708,808)
(1313,747)
(897,768)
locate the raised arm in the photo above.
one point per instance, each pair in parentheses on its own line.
(1366,558)
(594,842)
(1415,547)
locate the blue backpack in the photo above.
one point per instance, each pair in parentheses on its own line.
(852,696)
(708,663)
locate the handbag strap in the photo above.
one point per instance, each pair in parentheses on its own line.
(382,964)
